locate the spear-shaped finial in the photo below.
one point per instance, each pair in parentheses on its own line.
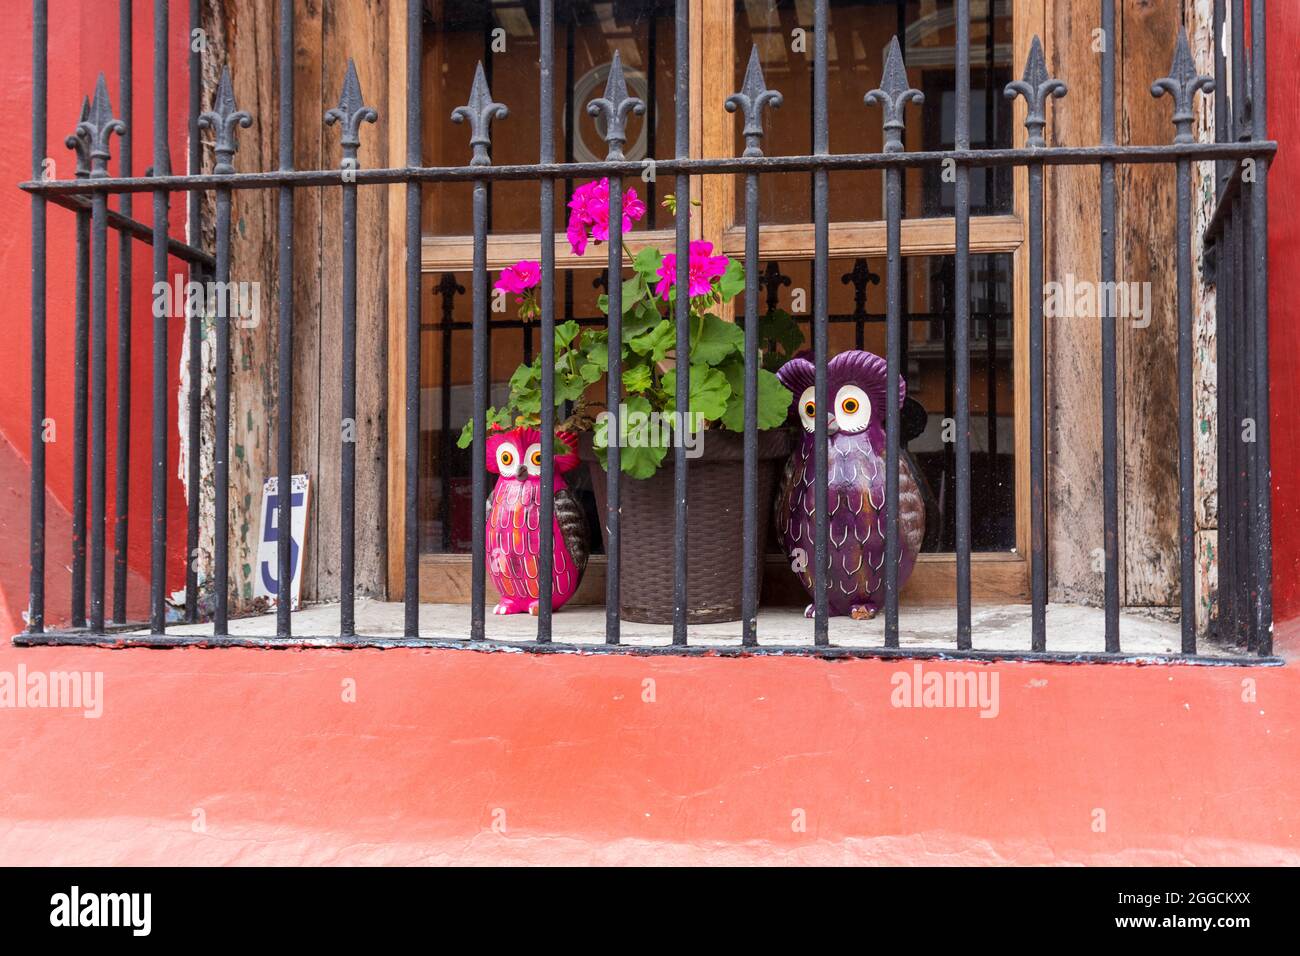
(1182,84)
(615,106)
(1036,86)
(79,141)
(223,119)
(97,127)
(893,95)
(351,112)
(752,98)
(480,111)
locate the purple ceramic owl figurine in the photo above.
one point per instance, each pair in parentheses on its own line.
(855,429)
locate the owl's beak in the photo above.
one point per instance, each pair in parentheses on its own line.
(521,472)
(832,426)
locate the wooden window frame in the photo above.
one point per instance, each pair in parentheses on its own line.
(996,576)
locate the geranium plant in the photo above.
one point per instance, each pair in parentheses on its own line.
(649,343)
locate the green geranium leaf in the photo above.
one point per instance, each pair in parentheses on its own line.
(568,388)
(565,333)
(713,340)
(640,453)
(780,333)
(644,315)
(656,343)
(773,398)
(647,263)
(709,392)
(641,461)
(495,416)
(525,376)
(732,282)
(637,378)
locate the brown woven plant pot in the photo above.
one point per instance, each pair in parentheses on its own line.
(715,530)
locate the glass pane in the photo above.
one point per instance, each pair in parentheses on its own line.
(857,320)
(503,34)
(860,31)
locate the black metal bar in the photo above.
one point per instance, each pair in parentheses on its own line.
(752,99)
(98,130)
(1223,169)
(414,155)
(1036,87)
(1244,366)
(1225,332)
(221,438)
(1037,462)
(821,400)
(749,596)
(1263,488)
(546,155)
(81,362)
(893,96)
(36,490)
(1109,391)
(160,396)
(223,119)
(1186,469)
(349,114)
(961,334)
(479,113)
(447,290)
(682,134)
(125,254)
(1243,372)
(1182,84)
(832,162)
(284,339)
(137,229)
(194,332)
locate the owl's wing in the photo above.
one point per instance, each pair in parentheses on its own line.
(573,525)
(911,507)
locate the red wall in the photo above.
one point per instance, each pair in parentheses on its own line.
(82,43)
(1284,315)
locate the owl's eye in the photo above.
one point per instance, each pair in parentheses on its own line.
(534,459)
(808,409)
(852,409)
(507,458)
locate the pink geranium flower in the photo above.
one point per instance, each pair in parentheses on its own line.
(519,278)
(704,268)
(589,216)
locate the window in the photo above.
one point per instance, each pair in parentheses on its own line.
(505,36)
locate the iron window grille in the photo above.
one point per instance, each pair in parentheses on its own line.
(1236,238)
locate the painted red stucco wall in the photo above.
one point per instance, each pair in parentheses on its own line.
(82,43)
(1284,316)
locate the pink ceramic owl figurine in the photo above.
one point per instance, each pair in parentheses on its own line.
(514,521)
